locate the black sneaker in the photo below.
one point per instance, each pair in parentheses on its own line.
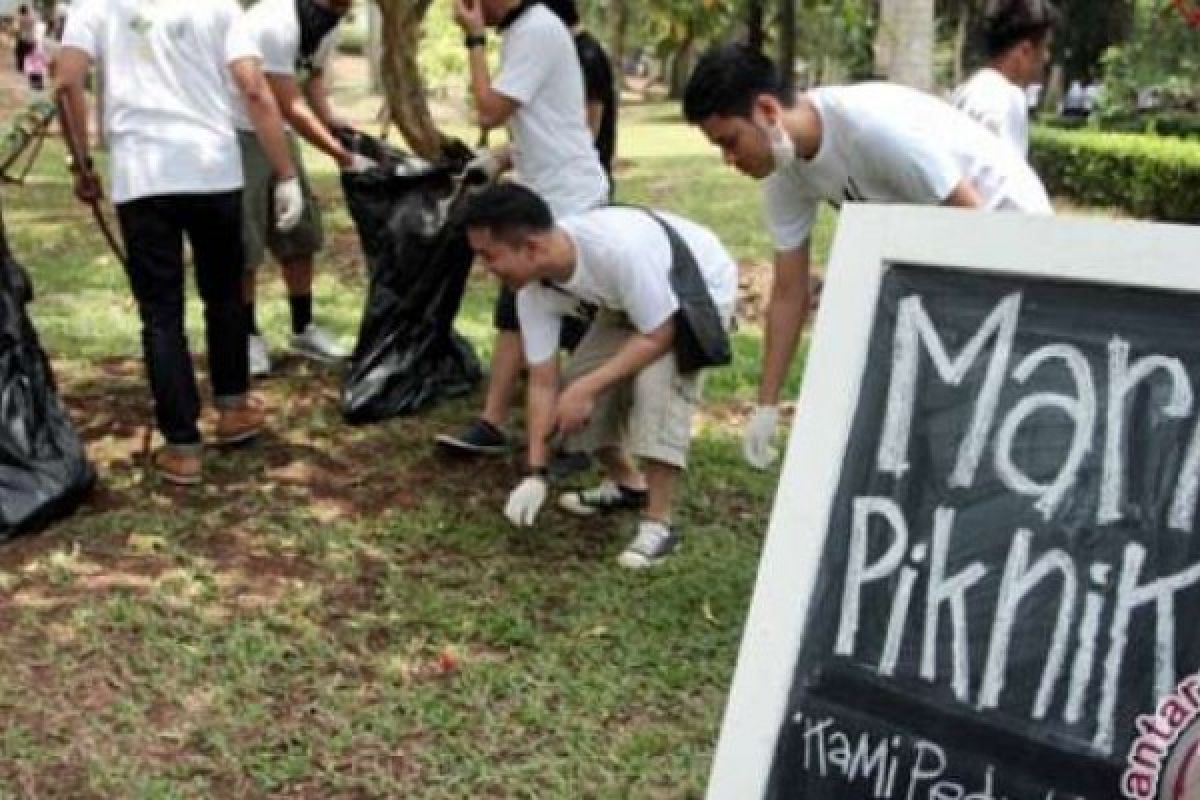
(606,497)
(480,438)
(563,465)
(653,542)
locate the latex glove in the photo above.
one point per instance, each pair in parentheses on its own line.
(485,163)
(289,204)
(760,430)
(526,501)
(359,164)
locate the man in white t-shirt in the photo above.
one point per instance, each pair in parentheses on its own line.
(871,142)
(171,69)
(539,94)
(1018,35)
(297,38)
(623,394)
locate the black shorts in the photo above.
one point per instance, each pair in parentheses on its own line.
(504,318)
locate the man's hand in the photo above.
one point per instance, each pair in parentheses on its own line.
(526,501)
(358,164)
(575,407)
(289,204)
(87,186)
(469,15)
(760,430)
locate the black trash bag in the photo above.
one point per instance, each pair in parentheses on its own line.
(408,354)
(44,471)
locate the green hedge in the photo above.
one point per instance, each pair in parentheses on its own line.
(1166,123)
(1149,176)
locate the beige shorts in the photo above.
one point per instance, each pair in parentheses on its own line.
(650,413)
(258,222)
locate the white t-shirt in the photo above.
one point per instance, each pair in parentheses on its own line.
(997,104)
(623,263)
(553,151)
(883,143)
(274,28)
(168,94)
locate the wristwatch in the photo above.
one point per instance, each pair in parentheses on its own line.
(539,472)
(74,165)
(475,40)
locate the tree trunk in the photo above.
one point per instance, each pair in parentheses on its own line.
(616,39)
(755,35)
(681,65)
(906,39)
(787,43)
(374,46)
(961,31)
(402,83)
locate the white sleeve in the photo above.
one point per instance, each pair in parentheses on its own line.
(278,47)
(918,168)
(645,290)
(239,43)
(791,213)
(84,26)
(524,66)
(541,325)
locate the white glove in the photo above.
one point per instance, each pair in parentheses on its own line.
(760,430)
(526,501)
(289,204)
(359,164)
(485,162)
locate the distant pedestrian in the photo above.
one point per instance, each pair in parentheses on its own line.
(1019,34)
(26,35)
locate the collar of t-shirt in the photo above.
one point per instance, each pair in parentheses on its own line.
(514,15)
(825,148)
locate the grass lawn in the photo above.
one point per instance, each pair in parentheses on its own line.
(339,612)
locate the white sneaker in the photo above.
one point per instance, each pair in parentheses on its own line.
(256,352)
(318,344)
(653,543)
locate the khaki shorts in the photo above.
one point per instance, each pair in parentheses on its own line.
(258,220)
(650,414)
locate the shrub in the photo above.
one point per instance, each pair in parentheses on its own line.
(1148,176)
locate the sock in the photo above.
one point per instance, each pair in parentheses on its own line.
(251,320)
(301,311)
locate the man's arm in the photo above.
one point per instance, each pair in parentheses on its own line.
(964,195)
(316,91)
(492,109)
(307,121)
(540,402)
(595,115)
(787,310)
(640,350)
(73,66)
(264,115)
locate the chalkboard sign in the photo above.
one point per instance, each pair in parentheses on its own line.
(982,575)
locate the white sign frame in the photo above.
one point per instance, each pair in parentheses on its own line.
(869,238)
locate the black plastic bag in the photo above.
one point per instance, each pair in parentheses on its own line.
(408,354)
(44,471)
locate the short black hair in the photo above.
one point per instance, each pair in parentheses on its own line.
(565,9)
(727,80)
(1007,23)
(509,211)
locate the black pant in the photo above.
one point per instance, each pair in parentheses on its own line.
(153,229)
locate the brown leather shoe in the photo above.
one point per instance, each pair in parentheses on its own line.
(240,424)
(177,466)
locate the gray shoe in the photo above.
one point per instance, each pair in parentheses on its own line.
(256,354)
(653,543)
(318,344)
